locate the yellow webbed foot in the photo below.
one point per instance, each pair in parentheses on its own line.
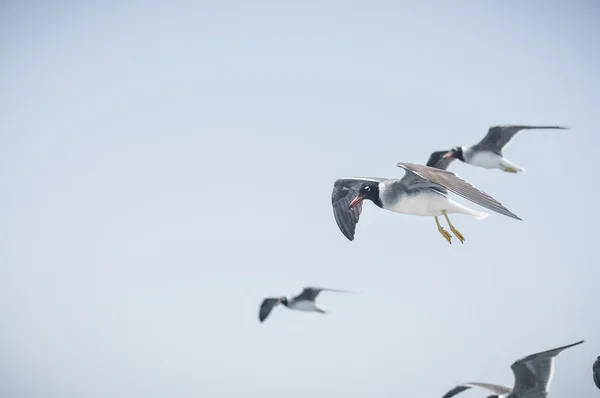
(446,235)
(458,234)
(442,231)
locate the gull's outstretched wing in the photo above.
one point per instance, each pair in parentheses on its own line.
(533,373)
(311,293)
(498,137)
(344,190)
(496,389)
(454,183)
(266,307)
(596,370)
(437,160)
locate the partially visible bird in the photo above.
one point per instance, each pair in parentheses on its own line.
(304,301)
(533,375)
(596,370)
(487,153)
(423,191)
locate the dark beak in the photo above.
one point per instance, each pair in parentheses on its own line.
(356,200)
(448,155)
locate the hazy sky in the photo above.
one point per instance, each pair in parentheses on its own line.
(165,167)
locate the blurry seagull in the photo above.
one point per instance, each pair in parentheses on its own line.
(423,191)
(305,301)
(487,153)
(533,375)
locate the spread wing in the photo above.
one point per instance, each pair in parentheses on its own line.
(454,183)
(266,307)
(596,370)
(496,389)
(498,137)
(344,190)
(311,293)
(436,159)
(533,373)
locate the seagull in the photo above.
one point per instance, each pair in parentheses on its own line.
(423,191)
(487,153)
(305,301)
(533,375)
(596,370)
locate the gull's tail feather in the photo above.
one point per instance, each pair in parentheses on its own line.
(458,208)
(478,215)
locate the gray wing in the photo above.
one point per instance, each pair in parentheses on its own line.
(498,136)
(266,307)
(344,190)
(496,389)
(454,183)
(596,370)
(533,373)
(436,159)
(311,293)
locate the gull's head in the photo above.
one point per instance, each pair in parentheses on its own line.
(368,190)
(456,153)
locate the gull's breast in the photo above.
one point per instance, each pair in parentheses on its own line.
(486,159)
(304,305)
(423,203)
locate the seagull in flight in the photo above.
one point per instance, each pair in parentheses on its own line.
(423,191)
(304,301)
(533,375)
(487,153)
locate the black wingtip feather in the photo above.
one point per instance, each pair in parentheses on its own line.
(455,390)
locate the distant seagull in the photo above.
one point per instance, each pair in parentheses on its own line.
(423,191)
(596,370)
(487,153)
(533,375)
(305,301)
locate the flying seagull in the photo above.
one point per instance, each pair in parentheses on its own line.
(305,301)
(423,191)
(533,375)
(487,153)
(596,370)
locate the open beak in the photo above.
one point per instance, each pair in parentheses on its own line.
(356,200)
(448,155)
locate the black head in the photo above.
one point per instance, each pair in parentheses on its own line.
(284,301)
(368,190)
(456,153)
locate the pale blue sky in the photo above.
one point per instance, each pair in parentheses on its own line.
(164,168)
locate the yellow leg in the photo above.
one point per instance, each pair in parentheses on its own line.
(442,231)
(511,170)
(454,230)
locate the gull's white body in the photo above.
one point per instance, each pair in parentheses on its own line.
(429,204)
(304,305)
(488,160)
